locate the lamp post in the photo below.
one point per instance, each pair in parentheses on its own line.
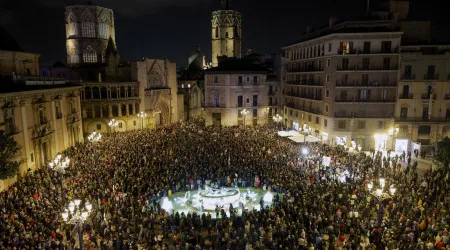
(393,133)
(76,215)
(113,124)
(187,94)
(94,137)
(142,115)
(277,119)
(381,194)
(58,164)
(244,113)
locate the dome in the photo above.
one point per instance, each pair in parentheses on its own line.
(7,42)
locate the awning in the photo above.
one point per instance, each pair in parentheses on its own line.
(289,133)
(300,139)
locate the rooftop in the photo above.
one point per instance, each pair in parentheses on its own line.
(11,84)
(237,65)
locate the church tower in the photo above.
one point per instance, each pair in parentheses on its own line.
(226,33)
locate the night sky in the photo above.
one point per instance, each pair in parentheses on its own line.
(172,28)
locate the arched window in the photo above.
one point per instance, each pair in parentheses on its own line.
(123,108)
(226,34)
(89,55)
(88,29)
(72,30)
(217,31)
(103,30)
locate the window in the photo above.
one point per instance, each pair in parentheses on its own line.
(329,47)
(386,46)
(363,94)
(290,112)
(216,100)
(216,79)
(309,118)
(255,79)
(325,123)
(365,63)
(72,29)
(403,113)
(255,113)
(9,121)
(341,124)
(365,79)
(404,129)
(366,48)
(103,30)
(240,101)
(239,79)
(431,71)
(424,130)
(345,63)
(384,94)
(380,124)
(447,114)
(408,71)
(425,113)
(248,79)
(42,118)
(317,120)
(88,29)
(346,47)
(326,108)
(57,110)
(99,127)
(255,100)
(32,157)
(120,125)
(226,34)
(386,63)
(328,62)
(134,123)
(327,78)
(89,55)
(217,32)
(327,93)
(361,124)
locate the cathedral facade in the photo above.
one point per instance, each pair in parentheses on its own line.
(226,33)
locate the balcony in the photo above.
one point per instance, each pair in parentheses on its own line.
(427,96)
(349,114)
(405,96)
(298,107)
(305,69)
(305,96)
(365,52)
(365,100)
(306,82)
(364,68)
(42,130)
(409,77)
(431,77)
(367,84)
(213,105)
(422,119)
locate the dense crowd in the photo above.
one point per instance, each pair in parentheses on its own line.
(125,175)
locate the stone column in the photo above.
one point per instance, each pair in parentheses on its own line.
(109,111)
(100,92)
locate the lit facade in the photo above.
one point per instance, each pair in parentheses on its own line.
(340,83)
(422,113)
(43,122)
(231,88)
(226,33)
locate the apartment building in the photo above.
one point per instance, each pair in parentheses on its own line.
(422,114)
(340,83)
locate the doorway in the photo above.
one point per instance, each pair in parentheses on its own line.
(217,119)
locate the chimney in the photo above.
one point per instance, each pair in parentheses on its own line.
(99,77)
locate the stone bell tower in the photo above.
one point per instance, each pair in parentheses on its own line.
(226,33)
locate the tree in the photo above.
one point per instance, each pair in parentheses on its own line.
(8,149)
(442,157)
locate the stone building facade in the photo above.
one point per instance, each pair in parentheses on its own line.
(422,113)
(226,33)
(88,29)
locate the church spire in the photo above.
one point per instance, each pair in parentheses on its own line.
(226,4)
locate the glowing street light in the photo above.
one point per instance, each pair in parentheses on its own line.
(305,151)
(113,124)
(59,164)
(244,113)
(278,119)
(94,137)
(74,214)
(142,115)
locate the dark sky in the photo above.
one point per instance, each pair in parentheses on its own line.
(172,28)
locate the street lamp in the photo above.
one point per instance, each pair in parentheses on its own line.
(142,115)
(277,118)
(76,215)
(58,164)
(94,137)
(380,194)
(244,113)
(305,151)
(113,124)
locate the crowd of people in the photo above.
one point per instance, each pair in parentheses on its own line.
(125,175)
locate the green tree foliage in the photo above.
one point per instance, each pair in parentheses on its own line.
(443,154)
(8,148)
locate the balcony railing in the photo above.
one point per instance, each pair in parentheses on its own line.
(306,82)
(365,52)
(361,68)
(405,96)
(366,84)
(408,77)
(422,119)
(427,96)
(305,69)
(355,99)
(299,107)
(305,96)
(344,114)
(431,77)
(213,105)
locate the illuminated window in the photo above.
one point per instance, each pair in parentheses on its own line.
(89,55)
(74,58)
(346,47)
(88,29)
(72,29)
(103,30)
